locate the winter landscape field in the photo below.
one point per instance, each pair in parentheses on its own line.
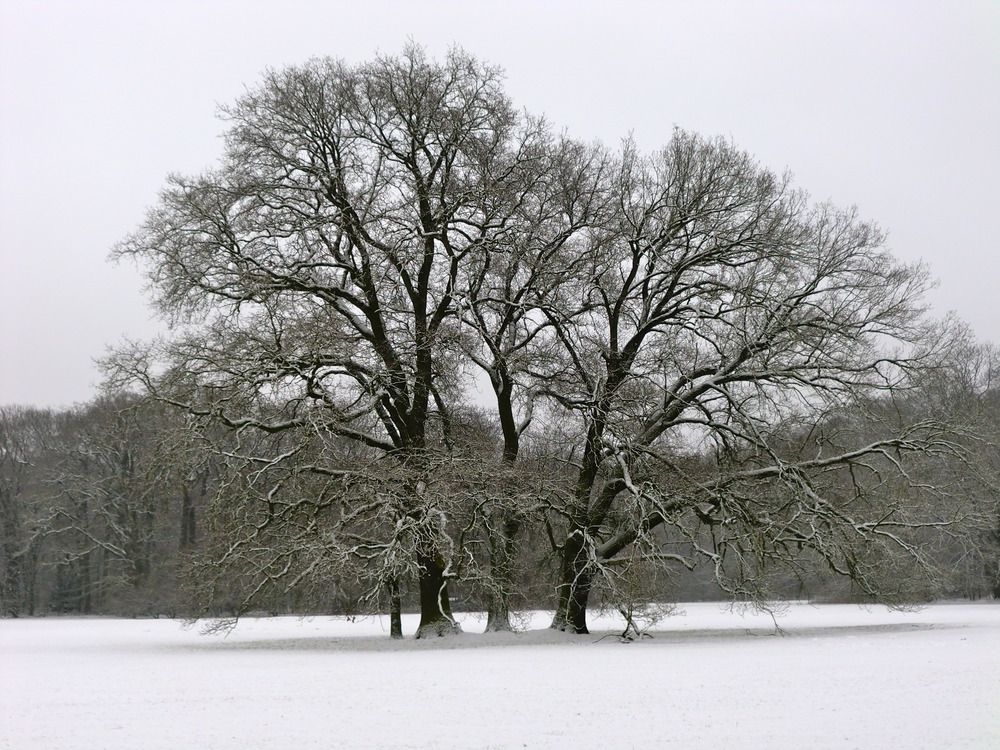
(835,676)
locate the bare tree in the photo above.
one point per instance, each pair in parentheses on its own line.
(559,193)
(719,304)
(321,262)
(708,354)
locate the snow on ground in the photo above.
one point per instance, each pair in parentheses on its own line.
(839,677)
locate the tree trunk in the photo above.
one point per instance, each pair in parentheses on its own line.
(12,593)
(30,573)
(503,525)
(435,609)
(12,584)
(85,587)
(502,547)
(574,589)
(188,524)
(395,609)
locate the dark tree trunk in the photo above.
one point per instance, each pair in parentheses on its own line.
(30,575)
(194,494)
(502,549)
(395,609)
(12,584)
(575,576)
(435,609)
(188,525)
(86,587)
(503,525)
(574,588)
(12,595)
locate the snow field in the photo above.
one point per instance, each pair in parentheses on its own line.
(840,677)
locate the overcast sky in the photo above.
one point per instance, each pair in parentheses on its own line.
(893,106)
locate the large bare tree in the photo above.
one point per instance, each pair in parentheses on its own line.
(690,341)
(318,266)
(721,307)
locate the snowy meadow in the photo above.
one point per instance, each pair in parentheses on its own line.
(833,676)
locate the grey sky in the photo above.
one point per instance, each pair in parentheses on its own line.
(893,106)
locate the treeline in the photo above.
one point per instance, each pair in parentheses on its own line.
(111,508)
(97,511)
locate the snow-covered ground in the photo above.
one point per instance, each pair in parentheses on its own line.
(839,677)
